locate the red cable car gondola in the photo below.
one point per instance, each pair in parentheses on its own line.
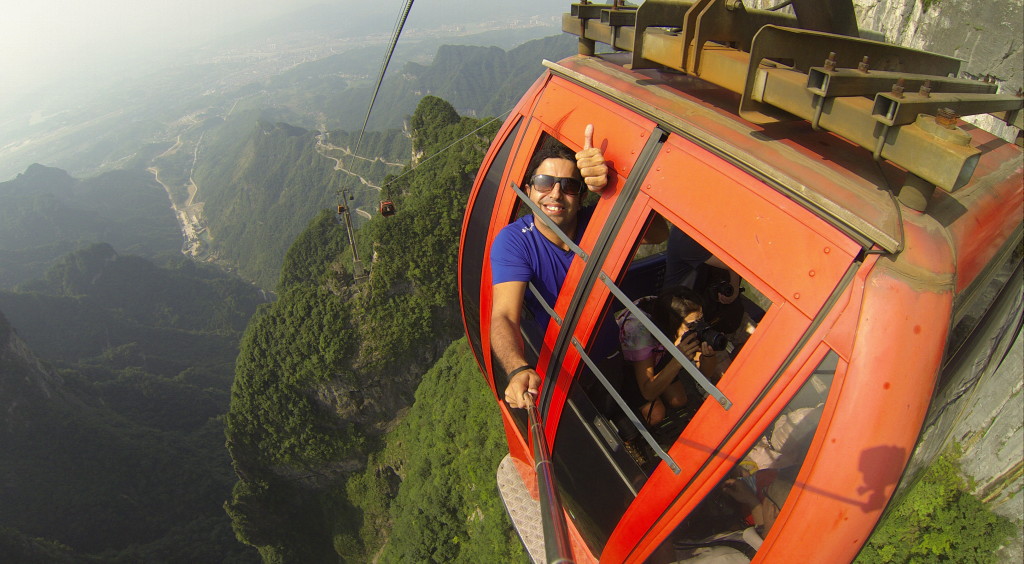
(387,208)
(853,293)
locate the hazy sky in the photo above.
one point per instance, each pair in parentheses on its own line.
(44,39)
(40,39)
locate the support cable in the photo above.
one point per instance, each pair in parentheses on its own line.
(384,66)
(442,151)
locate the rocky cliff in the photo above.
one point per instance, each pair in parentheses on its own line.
(25,382)
(985,35)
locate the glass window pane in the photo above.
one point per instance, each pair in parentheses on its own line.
(599,445)
(731,522)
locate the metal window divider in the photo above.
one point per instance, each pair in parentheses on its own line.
(543,303)
(626,409)
(670,347)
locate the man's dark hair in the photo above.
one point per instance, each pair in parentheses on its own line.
(550,148)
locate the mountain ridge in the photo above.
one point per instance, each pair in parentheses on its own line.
(112,432)
(46,213)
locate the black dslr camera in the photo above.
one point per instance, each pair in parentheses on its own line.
(719,287)
(707,334)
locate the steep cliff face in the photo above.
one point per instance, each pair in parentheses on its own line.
(25,383)
(985,35)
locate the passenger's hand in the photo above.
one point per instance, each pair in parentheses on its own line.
(520,384)
(707,355)
(689,344)
(591,163)
(769,512)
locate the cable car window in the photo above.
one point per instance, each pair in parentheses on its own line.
(538,305)
(473,247)
(974,305)
(704,311)
(602,447)
(734,518)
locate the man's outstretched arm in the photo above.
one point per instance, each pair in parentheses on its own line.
(507,341)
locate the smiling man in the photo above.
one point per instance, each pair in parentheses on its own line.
(529,251)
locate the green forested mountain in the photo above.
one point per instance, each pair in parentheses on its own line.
(113,434)
(132,357)
(45,213)
(260,190)
(324,369)
(96,306)
(261,180)
(430,494)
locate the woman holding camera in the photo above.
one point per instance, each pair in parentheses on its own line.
(679,315)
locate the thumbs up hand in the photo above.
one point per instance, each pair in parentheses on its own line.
(591,163)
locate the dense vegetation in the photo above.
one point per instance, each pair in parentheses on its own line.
(113,443)
(937,520)
(96,307)
(138,352)
(430,494)
(322,370)
(261,188)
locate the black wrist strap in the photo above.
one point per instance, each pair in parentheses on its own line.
(518,370)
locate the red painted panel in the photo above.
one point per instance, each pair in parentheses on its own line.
(770,238)
(747,377)
(869,437)
(982,216)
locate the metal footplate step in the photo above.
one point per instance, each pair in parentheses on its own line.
(522,508)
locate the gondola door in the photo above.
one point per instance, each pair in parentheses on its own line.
(616,498)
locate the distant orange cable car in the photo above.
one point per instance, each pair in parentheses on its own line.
(387,208)
(863,282)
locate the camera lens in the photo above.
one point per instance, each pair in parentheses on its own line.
(721,287)
(709,335)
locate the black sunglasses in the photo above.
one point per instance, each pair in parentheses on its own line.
(569,186)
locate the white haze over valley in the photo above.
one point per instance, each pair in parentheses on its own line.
(47,40)
(67,63)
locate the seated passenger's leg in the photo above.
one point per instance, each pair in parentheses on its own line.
(652,412)
(674,395)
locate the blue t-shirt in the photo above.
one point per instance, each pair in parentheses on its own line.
(521,253)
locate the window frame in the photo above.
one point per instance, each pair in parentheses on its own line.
(781,343)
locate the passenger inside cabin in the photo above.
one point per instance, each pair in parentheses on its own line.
(688,263)
(656,388)
(528,251)
(761,495)
(730,524)
(758,500)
